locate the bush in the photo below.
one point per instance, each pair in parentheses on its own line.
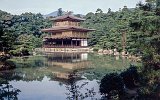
(130,77)
(95,49)
(18,52)
(25,52)
(7,65)
(111,85)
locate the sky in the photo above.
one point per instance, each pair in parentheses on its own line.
(77,6)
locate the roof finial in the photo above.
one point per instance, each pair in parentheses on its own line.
(69,13)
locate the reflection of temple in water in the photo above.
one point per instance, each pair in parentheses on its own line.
(67,69)
(65,65)
(69,61)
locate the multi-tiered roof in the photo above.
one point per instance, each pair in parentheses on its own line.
(66,32)
(63,27)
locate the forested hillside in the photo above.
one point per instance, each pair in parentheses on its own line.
(139,25)
(21,32)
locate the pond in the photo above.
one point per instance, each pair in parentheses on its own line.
(61,76)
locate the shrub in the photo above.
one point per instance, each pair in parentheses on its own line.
(130,77)
(111,85)
(95,49)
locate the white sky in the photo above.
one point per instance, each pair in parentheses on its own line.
(77,6)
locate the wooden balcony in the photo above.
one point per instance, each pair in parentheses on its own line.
(64,46)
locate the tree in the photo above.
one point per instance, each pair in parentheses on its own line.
(60,12)
(109,10)
(99,10)
(130,77)
(112,85)
(70,12)
(14,26)
(7,39)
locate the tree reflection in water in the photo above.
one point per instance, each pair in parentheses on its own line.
(74,89)
(63,68)
(7,91)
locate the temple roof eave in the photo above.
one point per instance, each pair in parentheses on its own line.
(61,29)
(67,17)
(47,37)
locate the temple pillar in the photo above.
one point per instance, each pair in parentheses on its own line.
(71,43)
(76,42)
(62,42)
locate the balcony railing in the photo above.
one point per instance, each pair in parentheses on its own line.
(64,46)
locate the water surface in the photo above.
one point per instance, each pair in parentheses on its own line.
(58,76)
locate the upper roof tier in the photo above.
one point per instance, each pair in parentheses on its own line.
(68,17)
(67,23)
(71,28)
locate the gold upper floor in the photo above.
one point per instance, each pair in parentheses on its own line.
(68,34)
(66,23)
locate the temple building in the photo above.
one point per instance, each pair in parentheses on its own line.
(66,34)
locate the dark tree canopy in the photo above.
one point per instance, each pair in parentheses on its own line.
(60,12)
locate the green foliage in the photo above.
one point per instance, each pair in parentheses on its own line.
(146,35)
(8,91)
(145,80)
(7,39)
(130,77)
(149,83)
(60,12)
(140,24)
(25,44)
(99,10)
(108,32)
(95,49)
(21,32)
(112,83)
